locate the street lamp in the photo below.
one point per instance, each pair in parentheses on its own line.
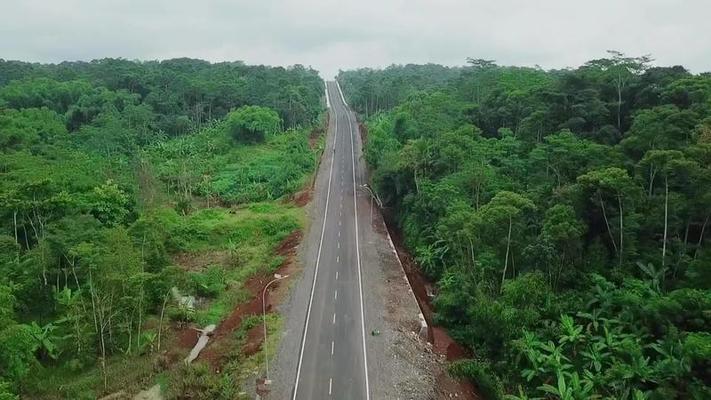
(277,277)
(373,196)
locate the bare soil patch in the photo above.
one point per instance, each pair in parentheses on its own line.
(187,337)
(200,260)
(302,197)
(254,340)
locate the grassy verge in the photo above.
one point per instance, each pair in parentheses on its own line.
(244,239)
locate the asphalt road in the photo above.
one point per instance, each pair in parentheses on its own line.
(332,360)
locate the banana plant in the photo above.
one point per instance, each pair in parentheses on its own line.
(595,355)
(572,333)
(655,276)
(562,391)
(571,387)
(45,339)
(520,396)
(554,359)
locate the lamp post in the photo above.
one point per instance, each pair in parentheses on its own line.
(373,196)
(277,277)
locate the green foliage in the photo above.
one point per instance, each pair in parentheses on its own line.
(6,392)
(480,372)
(29,126)
(195,381)
(208,164)
(252,123)
(209,283)
(94,160)
(109,204)
(563,214)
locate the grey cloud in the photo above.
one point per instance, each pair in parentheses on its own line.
(329,35)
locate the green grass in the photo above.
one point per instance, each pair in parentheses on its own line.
(222,229)
(128,373)
(216,166)
(249,234)
(245,368)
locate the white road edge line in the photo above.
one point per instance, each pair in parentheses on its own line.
(318,259)
(338,85)
(360,279)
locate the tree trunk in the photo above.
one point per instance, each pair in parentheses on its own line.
(130,335)
(506,261)
(619,202)
(607,223)
(14,222)
(477,191)
(103,358)
(162,313)
(652,174)
(666,220)
(619,102)
(686,234)
(417,185)
(140,299)
(701,236)
(471,253)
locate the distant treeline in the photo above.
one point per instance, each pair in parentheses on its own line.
(183,93)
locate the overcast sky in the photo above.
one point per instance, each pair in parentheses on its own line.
(341,34)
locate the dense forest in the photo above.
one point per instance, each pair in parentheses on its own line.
(136,197)
(563,215)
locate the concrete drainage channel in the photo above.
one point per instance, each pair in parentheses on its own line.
(424,332)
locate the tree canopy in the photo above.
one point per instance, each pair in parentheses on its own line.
(563,216)
(117,180)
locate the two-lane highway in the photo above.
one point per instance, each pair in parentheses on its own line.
(333,361)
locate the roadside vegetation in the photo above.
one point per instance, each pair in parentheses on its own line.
(137,199)
(563,215)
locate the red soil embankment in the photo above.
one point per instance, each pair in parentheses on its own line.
(218,348)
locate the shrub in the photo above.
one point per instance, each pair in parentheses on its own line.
(252,123)
(481,374)
(209,283)
(195,382)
